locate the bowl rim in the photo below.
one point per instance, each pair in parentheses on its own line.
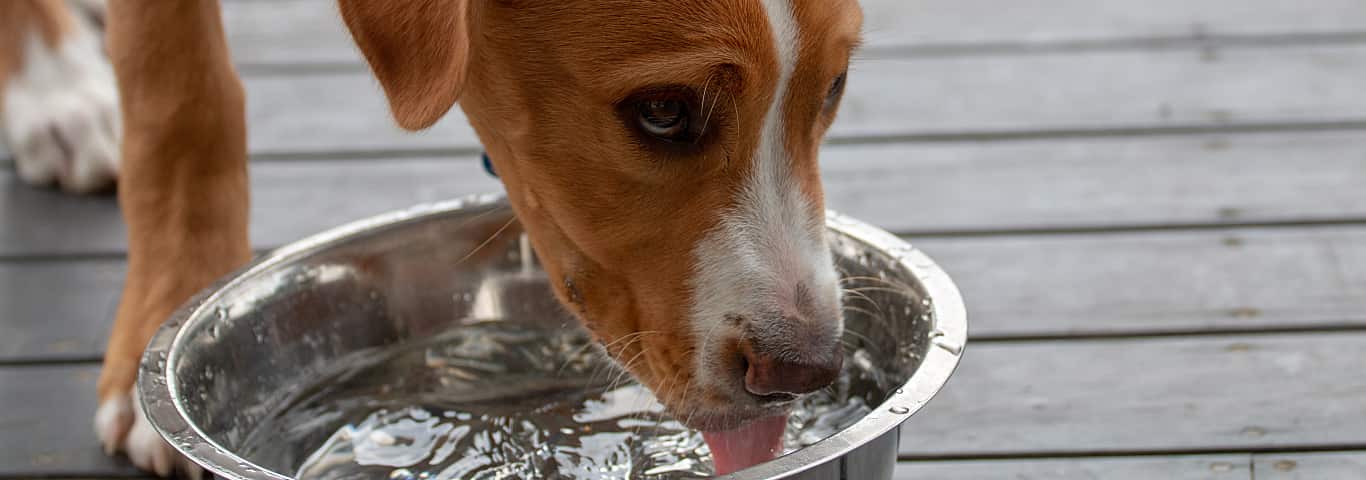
(157,381)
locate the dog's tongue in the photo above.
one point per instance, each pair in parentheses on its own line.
(754,443)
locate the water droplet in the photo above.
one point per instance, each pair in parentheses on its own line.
(899,410)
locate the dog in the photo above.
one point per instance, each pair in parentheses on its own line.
(662,157)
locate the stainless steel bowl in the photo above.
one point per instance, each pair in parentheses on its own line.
(236,352)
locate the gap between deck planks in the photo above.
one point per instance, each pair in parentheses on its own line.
(1082,397)
(915,189)
(1119,284)
(309,32)
(890,95)
(921,99)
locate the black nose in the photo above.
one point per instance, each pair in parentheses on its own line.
(782,370)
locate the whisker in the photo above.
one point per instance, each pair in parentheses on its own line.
(889,283)
(487,241)
(907,292)
(859,295)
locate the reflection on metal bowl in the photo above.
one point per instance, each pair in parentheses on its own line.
(403,321)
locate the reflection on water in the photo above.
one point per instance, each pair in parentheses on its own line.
(501,401)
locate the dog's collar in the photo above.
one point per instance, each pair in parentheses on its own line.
(488,164)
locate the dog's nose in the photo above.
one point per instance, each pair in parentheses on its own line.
(783,372)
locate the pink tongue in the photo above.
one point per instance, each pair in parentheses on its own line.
(754,443)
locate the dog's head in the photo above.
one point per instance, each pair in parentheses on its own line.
(663,157)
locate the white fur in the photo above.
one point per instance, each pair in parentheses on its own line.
(68,91)
(112,421)
(752,263)
(122,426)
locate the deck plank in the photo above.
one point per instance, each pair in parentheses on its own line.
(55,310)
(1056,285)
(1195,467)
(917,98)
(1160,395)
(905,188)
(1182,282)
(1013,398)
(1310,466)
(45,428)
(297,32)
(978,22)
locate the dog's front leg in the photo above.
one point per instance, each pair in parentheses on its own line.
(183,192)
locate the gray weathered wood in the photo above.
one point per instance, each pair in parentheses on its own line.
(288,32)
(309,31)
(1196,467)
(1092,91)
(968,22)
(1226,393)
(1086,91)
(305,197)
(45,428)
(910,188)
(57,309)
(1202,281)
(1026,398)
(1099,182)
(1161,282)
(1311,466)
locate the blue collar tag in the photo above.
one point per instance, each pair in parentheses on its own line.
(488,164)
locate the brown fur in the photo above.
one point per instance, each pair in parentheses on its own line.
(615,222)
(183,189)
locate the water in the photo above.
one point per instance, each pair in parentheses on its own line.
(500,401)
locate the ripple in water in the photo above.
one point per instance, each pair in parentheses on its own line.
(497,402)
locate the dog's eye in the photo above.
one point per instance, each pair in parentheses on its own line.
(666,119)
(832,96)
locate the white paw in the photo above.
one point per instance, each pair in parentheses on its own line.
(122,428)
(60,117)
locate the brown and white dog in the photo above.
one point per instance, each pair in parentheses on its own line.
(661,154)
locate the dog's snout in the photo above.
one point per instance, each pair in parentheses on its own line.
(782,372)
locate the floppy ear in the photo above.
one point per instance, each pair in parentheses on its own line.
(418,50)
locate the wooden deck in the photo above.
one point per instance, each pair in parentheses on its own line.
(1156,211)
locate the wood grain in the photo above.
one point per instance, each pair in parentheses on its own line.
(1158,395)
(1310,466)
(1196,467)
(1077,184)
(308,32)
(917,98)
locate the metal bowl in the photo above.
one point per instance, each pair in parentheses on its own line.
(237,351)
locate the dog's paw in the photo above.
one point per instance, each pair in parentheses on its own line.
(122,428)
(60,117)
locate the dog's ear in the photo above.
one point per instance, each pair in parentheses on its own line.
(418,50)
